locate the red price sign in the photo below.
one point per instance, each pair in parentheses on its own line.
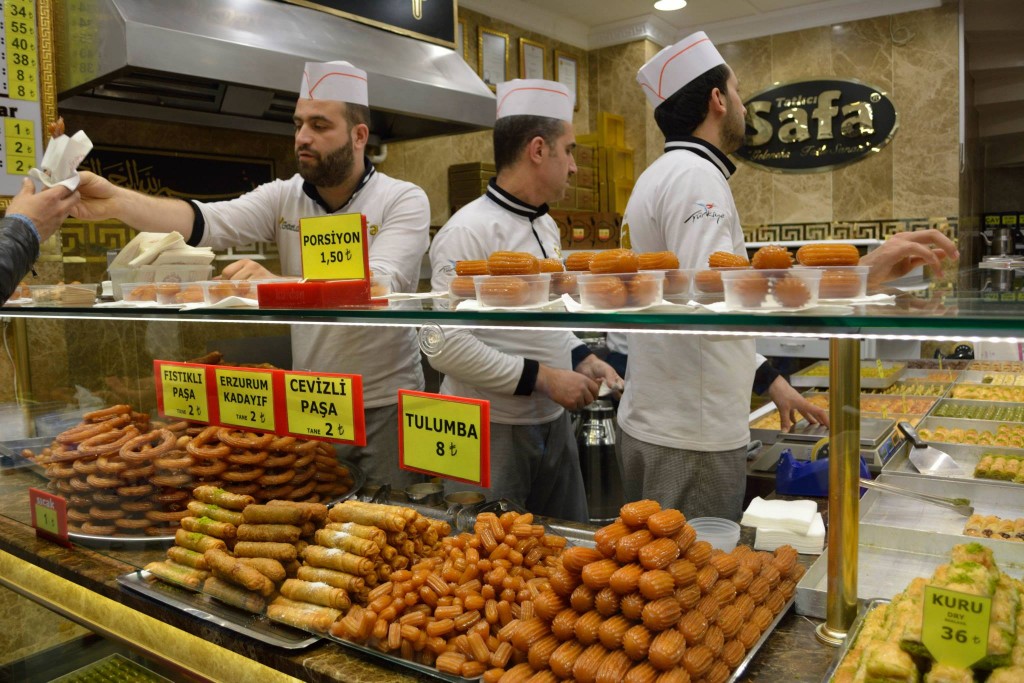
(447,436)
(49,515)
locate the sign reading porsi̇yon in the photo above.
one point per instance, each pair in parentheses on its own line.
(816,125)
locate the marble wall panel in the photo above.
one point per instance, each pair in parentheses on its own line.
(802,197)
(752,186)
(925,86)
(29,628)
(617,92)
(801,55)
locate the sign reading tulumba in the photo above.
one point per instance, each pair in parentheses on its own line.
(816,125)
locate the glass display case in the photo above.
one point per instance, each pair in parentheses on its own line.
(86,359)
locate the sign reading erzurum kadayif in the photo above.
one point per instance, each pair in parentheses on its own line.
(816,125)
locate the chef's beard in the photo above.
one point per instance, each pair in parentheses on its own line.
(733,133)
(329,171)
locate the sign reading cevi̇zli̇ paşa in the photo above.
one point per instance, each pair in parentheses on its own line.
(816,125)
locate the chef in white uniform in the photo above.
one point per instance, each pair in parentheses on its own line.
(335,177)
(685,409)
(529,377)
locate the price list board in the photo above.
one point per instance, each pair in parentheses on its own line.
(26,88)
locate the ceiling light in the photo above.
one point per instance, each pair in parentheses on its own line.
(669,5)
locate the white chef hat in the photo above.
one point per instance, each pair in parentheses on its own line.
(535,97)
(677,65)
(338,81)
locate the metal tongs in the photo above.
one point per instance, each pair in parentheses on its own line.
(964,509)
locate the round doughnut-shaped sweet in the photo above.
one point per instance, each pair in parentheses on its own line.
(551,265)
(606,292)
(138,472)
(212,469)
(98,482)
(244,475)
(708,281)
(303,490)
(107,413)
(564,283)
(62,485)
(301,447)
(106,498)
(791,292)
(579,261)
(141,293)
(752,289)
(80,485)
(478,267)
(110,465)
(93,529)
(247,457)
(642,290)
(174,460)
(772,257)
(81,432)
(106,514)
(828,254)
(167,516)
(836,284)
(278,492)
(220,290)
(512,263)
(170,497)
(657,260)
(237,438)
(248,489)
(84,466)
(280,460)
(136,506)
(77,516)
(277,478)
(132,523)
(303,460)
(463,287)
(147,447)
(726,259)
(171,480)
(201,445)
(615,261)
(304,475)
(504,291)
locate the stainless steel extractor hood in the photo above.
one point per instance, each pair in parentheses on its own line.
(238,64)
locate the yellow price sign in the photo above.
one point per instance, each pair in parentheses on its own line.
(245,398)
(326,407)
(334,247)
(182,390)
(49,515)
(955,627)
(447,436)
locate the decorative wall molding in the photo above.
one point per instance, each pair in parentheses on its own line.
(846,230)
(533,18)
(641,28)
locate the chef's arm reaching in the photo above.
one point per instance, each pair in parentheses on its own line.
(101,199)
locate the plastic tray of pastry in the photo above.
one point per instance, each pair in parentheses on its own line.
(741,668)
(852,635)
(11,457)
(112,668)
(808,377)
(405,663)
(204,607)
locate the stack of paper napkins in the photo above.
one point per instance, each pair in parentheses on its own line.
(786,522)
(161,249)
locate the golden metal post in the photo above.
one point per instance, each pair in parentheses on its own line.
(843,489)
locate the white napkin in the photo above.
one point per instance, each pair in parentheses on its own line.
(226,302)
(133,304)
(813,543)
(412,296)
(820,309)
(662,306)
(789,515)
(61,160)
(474,305)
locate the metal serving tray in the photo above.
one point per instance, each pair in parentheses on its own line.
(966,456)
(978,377)
(11,457)
(890,557)
(971,403)
(206,608)
(962,384)
(801,379)
(741,668)
(852,635)
(921,375)
(113,667)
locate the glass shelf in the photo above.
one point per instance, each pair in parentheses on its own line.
(908,316)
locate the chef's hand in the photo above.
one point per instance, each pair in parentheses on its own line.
(46,209)
(569,389)
(598,370)
(246,269)
(788,400)
(97,198)
(904,251)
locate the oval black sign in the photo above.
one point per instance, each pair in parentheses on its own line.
(816,125)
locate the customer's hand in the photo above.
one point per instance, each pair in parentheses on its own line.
(789,401)
(600,371)
(904,251)
(47,209)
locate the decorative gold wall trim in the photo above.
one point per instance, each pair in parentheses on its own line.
(847,230)
(113,620)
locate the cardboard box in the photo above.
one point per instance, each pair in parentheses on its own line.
(606,230)
(585,177)
(582,230)
(585,155)
(586,200)
(618,195)
(472,167)
(561,218)
(619,163)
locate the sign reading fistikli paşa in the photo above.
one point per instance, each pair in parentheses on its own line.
(816,125)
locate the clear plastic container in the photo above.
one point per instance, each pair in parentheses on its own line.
(565,283)
(75,295)
(721,533)
(678,283)
(842,282)
(138,291)
(180,292)
(786,289)
(621,290)
(507,291)
(709,280)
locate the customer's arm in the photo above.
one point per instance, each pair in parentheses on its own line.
(30,219)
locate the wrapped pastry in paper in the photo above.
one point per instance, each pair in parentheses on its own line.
(62,158)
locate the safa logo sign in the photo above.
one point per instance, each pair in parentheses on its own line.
(816,125)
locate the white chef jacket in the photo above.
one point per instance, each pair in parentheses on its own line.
(682,391)
(488,364)
(398,231)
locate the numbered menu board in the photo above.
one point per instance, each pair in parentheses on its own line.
(24,106)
